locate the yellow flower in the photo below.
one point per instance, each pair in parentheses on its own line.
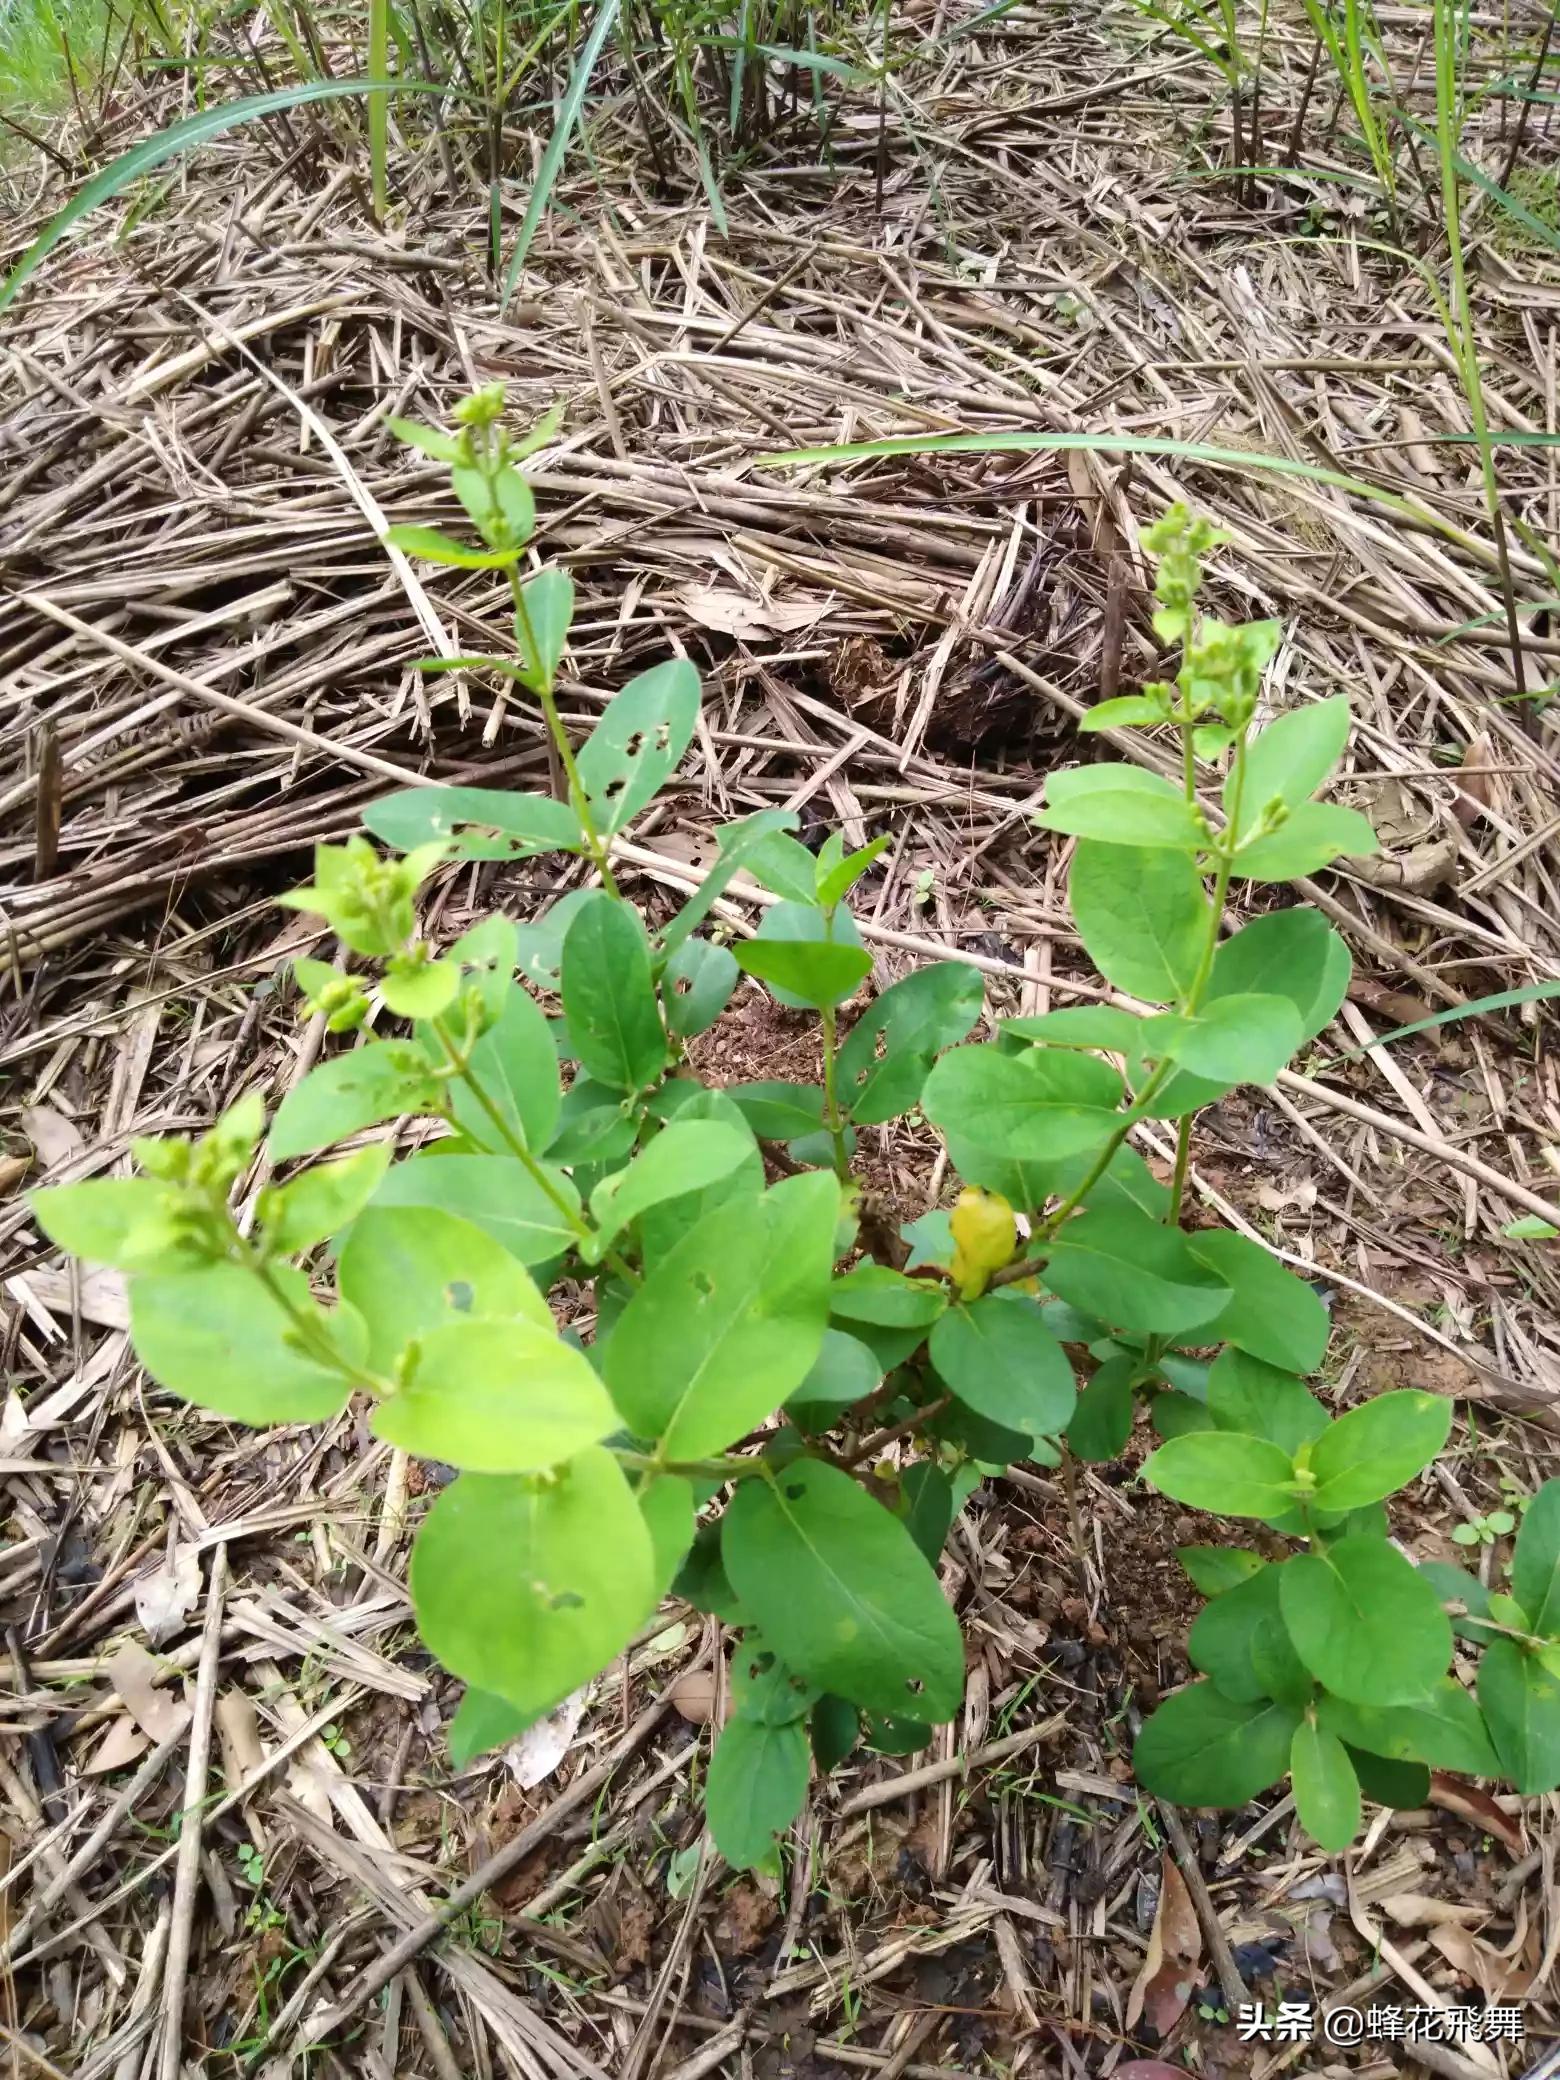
(985,1235)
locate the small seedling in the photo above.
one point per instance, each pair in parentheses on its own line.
(717,1435)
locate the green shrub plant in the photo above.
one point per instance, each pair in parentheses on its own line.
(738,1352)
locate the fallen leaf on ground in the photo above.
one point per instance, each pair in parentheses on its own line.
(1454,1796)
(532,1759)
(1420,1910)
(1169,1975)
(158,1712)
(165,1599)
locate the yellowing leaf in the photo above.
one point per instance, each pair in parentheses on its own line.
(985,1235)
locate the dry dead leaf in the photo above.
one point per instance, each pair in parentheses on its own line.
(734,614)
(1454,1796)
(532,1759)
(123,1743)
(1169,1975)
(1421,1910)
(165,1599)
(1498,1978)
(56,1138)
(159,1712)
(1475,781)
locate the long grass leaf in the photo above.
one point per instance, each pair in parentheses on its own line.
(1503,1000)
(1235,459)
(558,143)
(379,108)
(183,136)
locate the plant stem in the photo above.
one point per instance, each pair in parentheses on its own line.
(309,1330)
(578,802)
(581,1228)
(722,1468)
(832,1117)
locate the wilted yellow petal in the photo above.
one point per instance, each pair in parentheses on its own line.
(985,1235)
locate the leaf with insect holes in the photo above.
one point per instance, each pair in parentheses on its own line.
(885,1057)
(763,1688)
(1445,1730)
(1121,1266)
(698,981)
(1044,1105)
(842,1593)
(496,1397)
(1289,760)
(1327,1792)
(814,972)
(683,1157)
(609,998)
(515,1063)
(1365,1622)
(1204,1749)
(1272,1314)
(756,1786)
(1535,1566)
(542,629)
(1311,837)
(729,1322)
(412,1269)
(1520,1699)
(1101,1419)
(1216,1470)
(997,1356)
(497,1194)
(1255,1399)
(528,1584)
(639,743)
(428,545)
(1231,1040)
(1142,916)
(1378,1447)
(382,1080)
(475,822)
(218,1337)
(1122,805)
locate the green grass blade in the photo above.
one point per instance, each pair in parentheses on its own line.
(379,108)
(1235,459)
(183,136)
(558,143)
(1503,1000)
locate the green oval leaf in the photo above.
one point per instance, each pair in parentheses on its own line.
(997,1356)
(1272,1314)
(1045,1104)
(729,1322)
(1216,1470)
(1366,1623)
(1312,837)
(683,1157)
(217,1337)
(875,1293)
(1257,1400)
(1120,1266)
(529,1584)
(814,971)
(1123,805)
(1327,1792)
(885,1057)
(495,1193)
(384,1079)
(842,1593)
(1446,1730)
(475,822)
(496,1397)
(1203,1749)
(608,995)
(1142,915)
(1535,1565)
(757,1784)
(128,1222)
(1241,1039)
(409,1270)
(1377,1448)
(1288,761)
(1520,1700)
(638,743)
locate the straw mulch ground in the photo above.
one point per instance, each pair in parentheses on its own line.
(206,663)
